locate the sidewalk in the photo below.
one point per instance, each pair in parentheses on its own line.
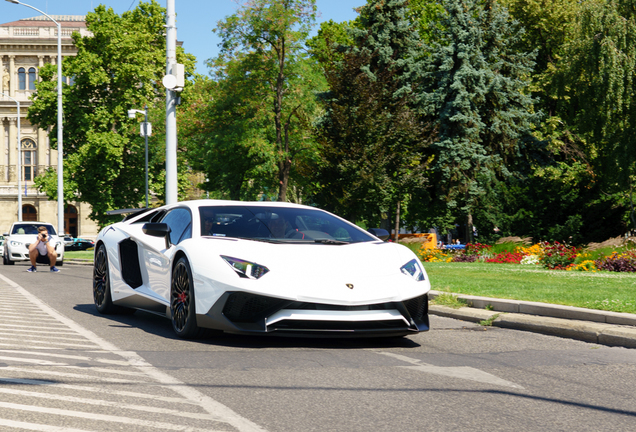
(589,325)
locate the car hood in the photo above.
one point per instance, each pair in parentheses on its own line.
(350,274)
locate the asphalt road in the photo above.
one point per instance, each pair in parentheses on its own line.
(63,367)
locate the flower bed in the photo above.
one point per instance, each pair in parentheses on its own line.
(552,256)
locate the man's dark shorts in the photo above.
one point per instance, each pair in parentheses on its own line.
(43,259)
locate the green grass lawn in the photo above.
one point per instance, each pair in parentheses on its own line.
(600,290)
(79,254)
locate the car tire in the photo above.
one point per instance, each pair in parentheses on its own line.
(101,286)
(59,263)
(101,282)
(182,309)
(6,260)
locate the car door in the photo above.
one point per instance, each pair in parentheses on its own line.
(157,261)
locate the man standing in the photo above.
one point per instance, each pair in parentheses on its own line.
(41,251)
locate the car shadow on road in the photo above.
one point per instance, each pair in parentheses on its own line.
(161,326)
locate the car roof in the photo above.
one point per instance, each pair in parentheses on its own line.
(31,223)
(216,202)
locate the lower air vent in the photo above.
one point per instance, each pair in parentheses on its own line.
(250,308)
(129,259)
(337,326)
(417,307)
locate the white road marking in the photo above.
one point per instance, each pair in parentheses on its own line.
(217,411)
(101,417)
(462,372)
(38,427)
(103,390)
(67,356)
(77,400)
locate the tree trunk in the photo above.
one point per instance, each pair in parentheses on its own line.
(469,228)
(284,169)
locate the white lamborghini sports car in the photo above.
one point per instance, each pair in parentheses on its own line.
(259,268)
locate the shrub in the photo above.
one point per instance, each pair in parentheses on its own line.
(587,265)
(623,262)
(557,256)
(464,258)
(530,259)
(506,258)
(434,255)
(535,250)
(477,248)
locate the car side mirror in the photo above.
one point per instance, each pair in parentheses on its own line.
(158,230)
(380,233)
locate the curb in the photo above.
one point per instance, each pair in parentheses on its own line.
(77,261)
(605,328)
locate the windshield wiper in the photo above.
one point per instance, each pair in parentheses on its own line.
(330,241)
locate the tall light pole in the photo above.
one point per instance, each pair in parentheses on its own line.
(171,105)
(19,161)
(60,135)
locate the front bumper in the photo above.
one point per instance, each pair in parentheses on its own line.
(21,253)
(245,313)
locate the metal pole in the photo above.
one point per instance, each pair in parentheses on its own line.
(60,136)
(19,161)
(60,126)
(171,106)
(146,152)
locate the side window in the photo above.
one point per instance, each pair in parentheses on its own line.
(180,222)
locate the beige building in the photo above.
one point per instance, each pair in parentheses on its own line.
(25,46)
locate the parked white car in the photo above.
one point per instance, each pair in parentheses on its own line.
(21,235)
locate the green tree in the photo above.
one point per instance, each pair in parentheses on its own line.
(226,137)
(263,51)
(373,138)
(103,154)
(477,94)
(598,85)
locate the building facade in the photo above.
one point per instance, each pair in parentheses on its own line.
(25,46)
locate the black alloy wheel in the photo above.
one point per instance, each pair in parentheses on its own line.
(182,311)
(101,282)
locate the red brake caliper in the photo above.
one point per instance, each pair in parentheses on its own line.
(181,297)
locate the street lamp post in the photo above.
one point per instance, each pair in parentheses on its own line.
(171,105)
(60,135)
(146,132)
(19,161)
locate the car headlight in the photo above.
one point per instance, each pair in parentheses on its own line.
(15,243)
(246,269)
(414,269)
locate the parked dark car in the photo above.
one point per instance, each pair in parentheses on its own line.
(80,245)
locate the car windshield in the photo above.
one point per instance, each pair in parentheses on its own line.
(276,224)
(30,228)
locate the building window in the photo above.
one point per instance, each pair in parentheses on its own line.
(29,162)
(21,79)
(31,78)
